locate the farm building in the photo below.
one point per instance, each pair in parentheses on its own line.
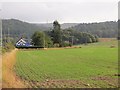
(23,43)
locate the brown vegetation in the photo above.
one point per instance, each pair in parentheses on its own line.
(0,71)
(10,80)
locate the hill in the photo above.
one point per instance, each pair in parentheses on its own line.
(16,28)
(102,29)
(63,26)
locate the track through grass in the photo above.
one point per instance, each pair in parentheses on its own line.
(9,78)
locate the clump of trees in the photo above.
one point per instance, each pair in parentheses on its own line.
(62,38)
(38,39)
(76,37)
(41,39)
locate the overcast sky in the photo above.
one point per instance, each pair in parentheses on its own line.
(64,12)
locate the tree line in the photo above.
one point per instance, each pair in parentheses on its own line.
(62,38)
(102,29)
(16,28)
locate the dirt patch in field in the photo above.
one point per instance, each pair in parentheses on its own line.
(107,79)
(61,84)
(9,78)
(58,83)
(106,39)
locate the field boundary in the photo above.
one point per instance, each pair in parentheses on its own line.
(9,79)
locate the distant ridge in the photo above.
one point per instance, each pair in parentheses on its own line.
(18,28)
(108,29)
(63,26)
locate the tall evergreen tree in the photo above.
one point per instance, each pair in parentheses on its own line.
(57,38)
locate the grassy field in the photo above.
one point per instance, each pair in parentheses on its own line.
(93,65)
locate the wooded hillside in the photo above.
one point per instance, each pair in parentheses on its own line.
(16,28)
(102,29)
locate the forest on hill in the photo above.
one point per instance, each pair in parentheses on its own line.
(16,28)
(102,29)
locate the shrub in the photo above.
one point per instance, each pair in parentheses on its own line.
(65,44)
(7,47)
(56,45)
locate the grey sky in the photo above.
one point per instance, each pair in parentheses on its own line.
(119,10)
(62,11)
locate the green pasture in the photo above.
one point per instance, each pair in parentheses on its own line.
(91,61)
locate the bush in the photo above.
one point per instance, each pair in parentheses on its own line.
(56,45)
(89,40)
(7,47)
(65,44)
(97,39)
(48,42)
